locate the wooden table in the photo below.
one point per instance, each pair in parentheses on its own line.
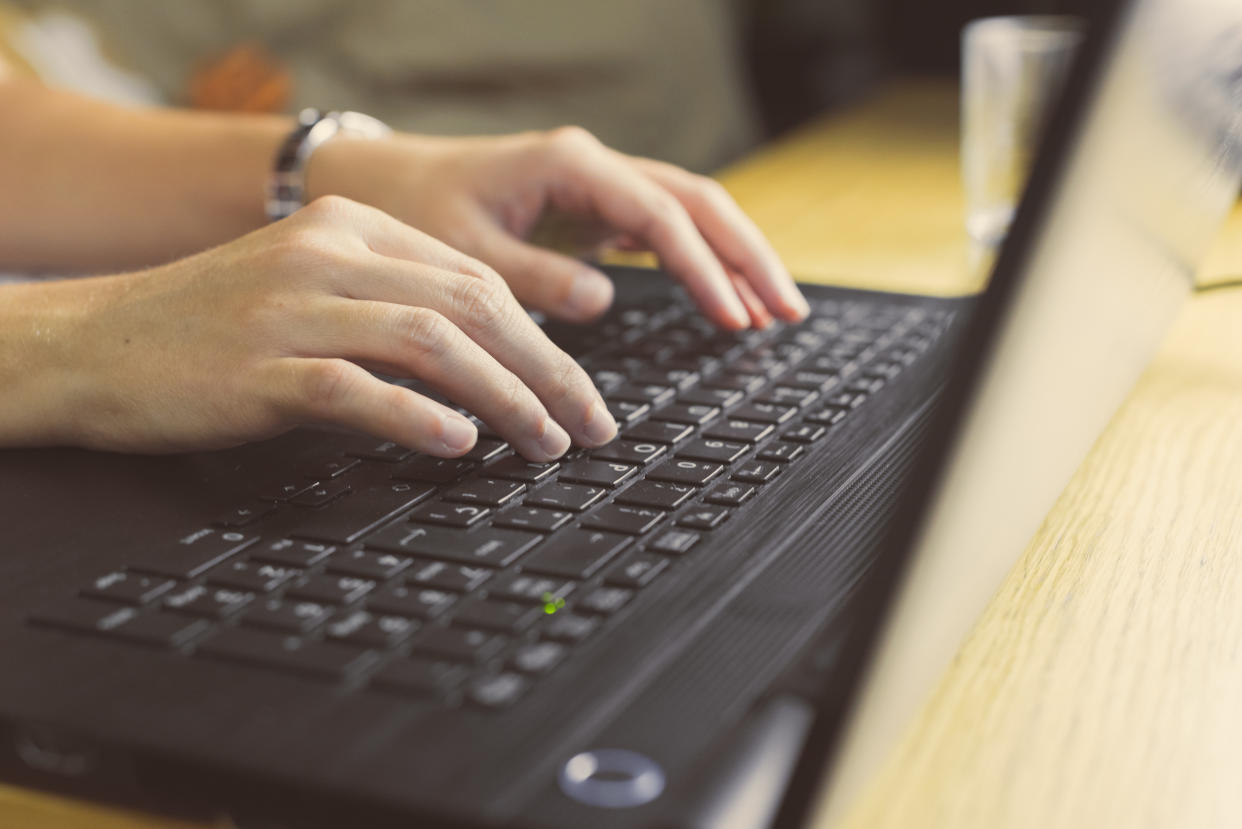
(1103,685)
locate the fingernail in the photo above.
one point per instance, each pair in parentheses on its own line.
(554,441)
(457,434)
(599,427)
(739,318)
(590,294)
(797,302)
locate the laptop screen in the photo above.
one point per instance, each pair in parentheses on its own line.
(1139,166)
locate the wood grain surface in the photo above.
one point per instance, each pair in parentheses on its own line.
(1101,688)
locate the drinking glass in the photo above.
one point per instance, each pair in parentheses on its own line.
(1013,69)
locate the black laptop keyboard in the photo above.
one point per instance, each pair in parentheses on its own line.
(468,579)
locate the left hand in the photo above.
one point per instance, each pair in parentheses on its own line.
(483,196)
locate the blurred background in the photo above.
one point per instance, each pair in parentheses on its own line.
(696,82)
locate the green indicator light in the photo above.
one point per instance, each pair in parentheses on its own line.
(551,603)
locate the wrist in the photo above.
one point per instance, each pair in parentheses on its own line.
(45,371)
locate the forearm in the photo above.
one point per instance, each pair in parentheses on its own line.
(86,185)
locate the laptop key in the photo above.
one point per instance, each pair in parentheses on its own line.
(564,626)
(498,691)
(658,431)
(487,546)
(195,553)
(386,451)
(764,413)
(325,660)
(716,451)
(505,617)
(708,396)
(690,414)
(246,514)
(161,630)
(485,449)
(803,432)
(625,411)
(459,644)
(208,602)
(598,473)
(756,472)
(572,497)
(420,676)
(683,471)
(517,468)
(575,554)
(128,588)
(533,519)
(366,564)
(538,657)
(826,415)
(605,600)
(784,396)
(351,518)
(285,490)
(620,518)
(730,494)
(253,576)
(293,552)
(675,542)
(331,588)
(678,378)
(781,452)
(84,615)
(626,451)
(737,381)
(370,630)
(441,575)
(321,494)
(411,601)
(639,393)
(449,514)
(431,470)
(287,615)
(657,494)
(532,589)
(636,570)
(490,491)
(326,470)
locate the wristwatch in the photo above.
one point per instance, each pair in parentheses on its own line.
(286,188)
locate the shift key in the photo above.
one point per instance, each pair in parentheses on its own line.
(575,554)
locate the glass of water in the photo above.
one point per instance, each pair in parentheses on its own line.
(1013,69)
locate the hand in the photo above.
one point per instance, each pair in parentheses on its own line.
(252,338)
(484,195)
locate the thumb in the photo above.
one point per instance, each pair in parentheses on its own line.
(558,285)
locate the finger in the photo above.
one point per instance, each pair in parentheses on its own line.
(759,316)
(731,233)
(423,343)
(485,310)
(337,391)
(558,284)
(588,176)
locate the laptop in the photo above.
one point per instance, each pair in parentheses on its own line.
(725,618)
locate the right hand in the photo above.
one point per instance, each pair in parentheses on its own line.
(249,339)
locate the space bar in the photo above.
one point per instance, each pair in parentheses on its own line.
(345,520)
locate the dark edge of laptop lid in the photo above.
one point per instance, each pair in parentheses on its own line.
(875,599)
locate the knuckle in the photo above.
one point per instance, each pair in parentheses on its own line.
(572,138)
(328,208)
(712,191)
(425,332)
(327,382)
(515,402)
(483,303)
